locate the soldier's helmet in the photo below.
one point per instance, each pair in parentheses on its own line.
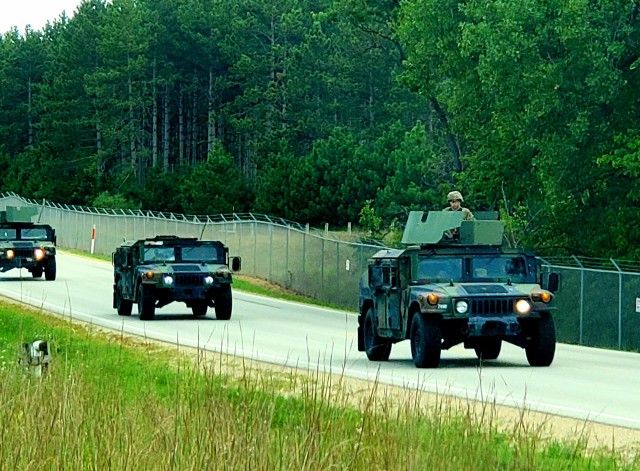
(455,195)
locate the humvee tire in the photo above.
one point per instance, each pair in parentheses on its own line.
(199,308)
(541,348)
(376,348)
(50,270)
(223,303)
(426,340)
(123,306)
(146,303)
(489,348)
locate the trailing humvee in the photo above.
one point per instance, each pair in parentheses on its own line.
(456,283)
(24,244)
(157,271)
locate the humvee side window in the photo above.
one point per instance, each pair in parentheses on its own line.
(158,254)
(33,233)
(389,276)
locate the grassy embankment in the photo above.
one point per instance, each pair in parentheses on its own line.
(114,402)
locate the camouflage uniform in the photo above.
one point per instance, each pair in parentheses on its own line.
(468,215)
(457,196)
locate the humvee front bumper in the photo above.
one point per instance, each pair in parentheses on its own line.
(481,326)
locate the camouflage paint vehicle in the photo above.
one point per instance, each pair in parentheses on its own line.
(24,244)
(440,292)
(158,271)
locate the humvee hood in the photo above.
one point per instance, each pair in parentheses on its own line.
(484,289)
(190,268)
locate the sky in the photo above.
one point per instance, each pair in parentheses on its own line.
(33,12)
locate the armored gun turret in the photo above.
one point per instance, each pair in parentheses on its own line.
(455,282)
(25,244)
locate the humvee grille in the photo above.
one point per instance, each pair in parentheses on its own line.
(23,253)
(491,306)
(189,279)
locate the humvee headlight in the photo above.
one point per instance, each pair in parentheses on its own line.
(523,306)
(208,280)
(167,279)
(38,254)
(223,272)
(462,307)
(10,253)
(432,298)
(148,275)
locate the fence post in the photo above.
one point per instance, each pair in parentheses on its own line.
(581,296)
(619,303)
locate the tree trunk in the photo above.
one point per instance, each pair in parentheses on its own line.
(452,141)
(211,117)
(180,127)
(165,132)
(154,138)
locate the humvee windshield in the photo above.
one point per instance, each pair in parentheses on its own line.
(8,234)
(440,268)
(499,268)
(159,254)
(205,253)
(487,268)
(34,233)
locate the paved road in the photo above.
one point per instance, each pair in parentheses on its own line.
(582,383)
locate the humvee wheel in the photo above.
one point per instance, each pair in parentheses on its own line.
(123,306)
(489,348)
(199,308)
(376,348)
(50,270)
(426,341)
(146,303)
(37,272)
(223,303)
(542,346)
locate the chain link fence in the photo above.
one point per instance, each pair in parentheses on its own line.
(598,301)
(307,261)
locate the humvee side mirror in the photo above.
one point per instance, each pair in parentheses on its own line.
(551,281)
(236,263)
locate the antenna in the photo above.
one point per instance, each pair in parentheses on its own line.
(41,209)
(204,227)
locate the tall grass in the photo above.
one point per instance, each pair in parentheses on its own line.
(109,402)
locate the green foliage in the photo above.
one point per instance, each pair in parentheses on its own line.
(216,186)
(369,220)
(323,105)
(416,175)
(117,201)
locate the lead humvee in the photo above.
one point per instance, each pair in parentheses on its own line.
(157,271)
(25,244)
(456,283)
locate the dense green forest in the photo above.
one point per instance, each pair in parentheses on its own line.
(336,111)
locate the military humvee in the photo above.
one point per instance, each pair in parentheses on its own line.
(155,272)
(456,283)
(24,244)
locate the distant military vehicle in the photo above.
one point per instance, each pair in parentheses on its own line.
(456,283)
(155,272)
(24,244)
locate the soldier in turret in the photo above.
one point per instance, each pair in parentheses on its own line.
(455,204)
